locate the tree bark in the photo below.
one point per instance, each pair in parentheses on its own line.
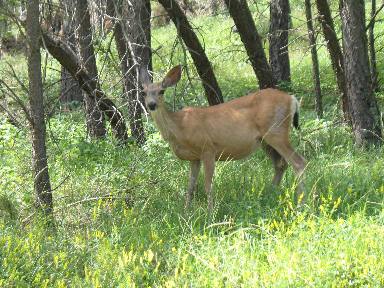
(278,40)
(239,11)
(200,59)
(364,109)
(42,184)
(315,60)
(372,51)
(140,33)
(66,57)
(3,25)
(214,6)
(139,58)
(335,53)
(70,89)
(95,119)
(131,86)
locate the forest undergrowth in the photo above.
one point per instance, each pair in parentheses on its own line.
(118,211)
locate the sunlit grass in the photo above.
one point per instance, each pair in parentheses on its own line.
(119,218)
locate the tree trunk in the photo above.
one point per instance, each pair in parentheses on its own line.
(278,41)
(239,11)
(131,86)
(70,89)
(95,119)
(203,66)
(315,60)
(364,110)
(3,24)
(372,51)
(335,53)
(140,33)
(66,57)
(42,184)
(214,6)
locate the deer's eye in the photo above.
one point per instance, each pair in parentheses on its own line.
(162,92)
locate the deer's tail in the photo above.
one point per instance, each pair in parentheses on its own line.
(295,113)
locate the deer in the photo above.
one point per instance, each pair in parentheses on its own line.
(228,131)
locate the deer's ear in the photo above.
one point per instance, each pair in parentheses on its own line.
(172,77)
(144,76)
(145,87)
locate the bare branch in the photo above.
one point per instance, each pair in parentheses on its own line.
(17,78)
(20,102)
(11,118)
(373,18)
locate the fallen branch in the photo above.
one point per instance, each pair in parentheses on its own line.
(69,60)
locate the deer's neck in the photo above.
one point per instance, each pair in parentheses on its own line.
(164,121)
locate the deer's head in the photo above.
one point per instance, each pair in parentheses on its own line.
(155,91)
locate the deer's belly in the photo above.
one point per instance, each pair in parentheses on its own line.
(236,152)
(185,153)
(232,150)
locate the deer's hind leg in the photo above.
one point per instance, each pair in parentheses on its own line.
(279,163)
(282,145)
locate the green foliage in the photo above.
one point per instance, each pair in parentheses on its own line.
(119,219)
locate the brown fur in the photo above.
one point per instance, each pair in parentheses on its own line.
(228,131)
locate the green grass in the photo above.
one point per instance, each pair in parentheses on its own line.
(119,219)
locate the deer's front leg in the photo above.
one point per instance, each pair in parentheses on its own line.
(193,176)
(209,169)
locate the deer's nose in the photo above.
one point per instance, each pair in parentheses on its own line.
(152,106)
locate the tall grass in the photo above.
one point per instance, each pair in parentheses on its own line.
(119,219)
